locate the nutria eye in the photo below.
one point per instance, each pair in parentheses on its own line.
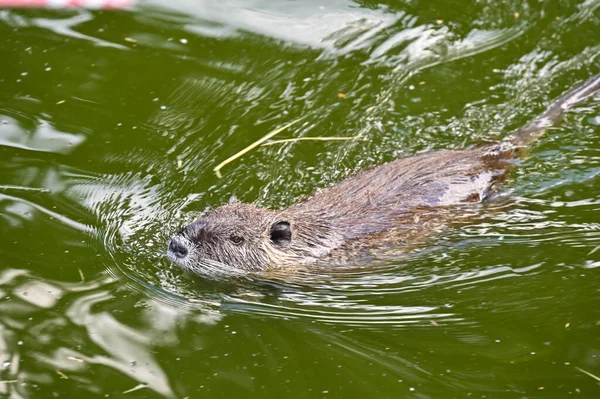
(236,239)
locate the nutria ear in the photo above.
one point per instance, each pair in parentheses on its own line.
(281,233)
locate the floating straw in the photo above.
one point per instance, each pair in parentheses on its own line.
(589,374)
(253,146)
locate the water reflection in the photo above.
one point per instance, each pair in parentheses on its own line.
(43,138)
(140,208)
(97,337)
(91,190)
(307,23)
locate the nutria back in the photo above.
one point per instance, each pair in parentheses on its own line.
(356,212)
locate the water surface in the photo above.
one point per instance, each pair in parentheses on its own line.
(111,124)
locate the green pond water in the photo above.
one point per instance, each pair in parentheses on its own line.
(111,123)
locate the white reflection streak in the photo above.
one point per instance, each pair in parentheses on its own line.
(129,349)
(9,364)
(63,219)
(65,27)
(45,137)
(39,293)
(307,24)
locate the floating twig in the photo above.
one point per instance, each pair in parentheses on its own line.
(252,146)
(589,374)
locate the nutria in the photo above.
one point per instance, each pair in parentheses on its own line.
(358,211)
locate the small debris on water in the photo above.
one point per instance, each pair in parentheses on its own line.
(439,21)
(75,359)
(60,102)
(130,40)
(341,95)
(567,325)
(62,375)
(81,275)
(516,15)
(183,41)
(434,323)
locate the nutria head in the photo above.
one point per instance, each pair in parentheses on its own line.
(238,238)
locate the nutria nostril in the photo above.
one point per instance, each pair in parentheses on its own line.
(177,248)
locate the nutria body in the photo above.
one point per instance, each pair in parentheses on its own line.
(395,197)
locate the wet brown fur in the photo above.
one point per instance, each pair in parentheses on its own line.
(396,198)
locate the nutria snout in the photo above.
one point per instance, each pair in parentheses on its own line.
(178,248)
(251,239)
(359,212)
